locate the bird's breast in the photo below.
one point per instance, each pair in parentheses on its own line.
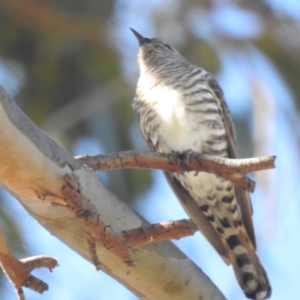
(175,122)
(176,125)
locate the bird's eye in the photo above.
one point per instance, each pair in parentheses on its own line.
(169,47)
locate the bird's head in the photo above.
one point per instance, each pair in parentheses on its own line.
(155,53)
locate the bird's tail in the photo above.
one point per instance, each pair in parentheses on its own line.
(250,273)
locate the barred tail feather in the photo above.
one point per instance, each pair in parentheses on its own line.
(248,269)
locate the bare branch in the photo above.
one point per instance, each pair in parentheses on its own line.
(159,232)
(18,271)
(120,243)
(231,169)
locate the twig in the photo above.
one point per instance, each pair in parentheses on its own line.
(18,271)
(159,232)
(231,169)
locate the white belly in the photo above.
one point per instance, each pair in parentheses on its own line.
(181,128)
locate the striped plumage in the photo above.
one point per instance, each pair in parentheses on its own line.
(181,107)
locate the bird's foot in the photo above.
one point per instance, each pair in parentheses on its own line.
(183,159)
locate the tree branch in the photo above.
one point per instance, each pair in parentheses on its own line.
(120,243)
(231,169)
(159,232)
(18,271)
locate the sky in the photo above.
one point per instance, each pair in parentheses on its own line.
(276,210)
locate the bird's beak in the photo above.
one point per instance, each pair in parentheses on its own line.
(140,38)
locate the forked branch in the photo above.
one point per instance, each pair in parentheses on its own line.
(19,271)
(120,243)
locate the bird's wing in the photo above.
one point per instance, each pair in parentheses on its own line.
(193,210)
(243,197)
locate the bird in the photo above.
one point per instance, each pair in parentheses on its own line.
(181,108)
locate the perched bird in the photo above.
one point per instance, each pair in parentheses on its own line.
(181,107)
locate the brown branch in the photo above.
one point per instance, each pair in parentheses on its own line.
(159,232)
(94,227)
(231,169)
(18,271)
(120,243)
